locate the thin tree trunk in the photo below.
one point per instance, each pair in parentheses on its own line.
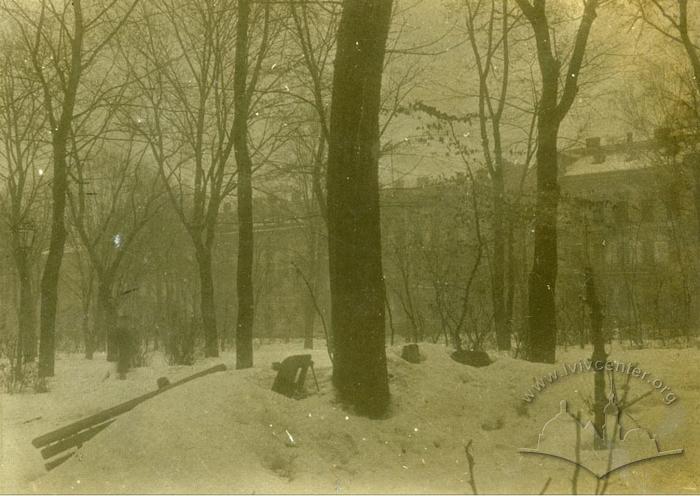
(510,275)
(499,264)
(88,336)
(107,317)
(206,301)
(27,323)
(309,303)
(89,340)
(599,356)
(244,275)
(354,238)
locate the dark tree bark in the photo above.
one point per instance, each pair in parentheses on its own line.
(61,129)
(86,301)
(498,283)
(244,275)
(88,335)
(206,301)
(27,316)
(354,240)
(52,269)
(309,303)
(541,338)
(106,316)
(599,356)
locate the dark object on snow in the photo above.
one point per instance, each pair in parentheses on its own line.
(162,382)
(473,358)
(60,443)
(291,374)
(411,353)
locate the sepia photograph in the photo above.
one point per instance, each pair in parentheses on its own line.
(349,247)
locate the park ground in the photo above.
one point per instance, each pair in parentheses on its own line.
(228,433)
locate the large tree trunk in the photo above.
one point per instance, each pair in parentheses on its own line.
(206,302)
(60,134)
(52,269)
(541,339)
(244,269)
(542,325)
(354,240)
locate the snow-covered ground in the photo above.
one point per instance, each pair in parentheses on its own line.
(227,432)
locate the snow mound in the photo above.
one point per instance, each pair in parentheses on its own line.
(228,432)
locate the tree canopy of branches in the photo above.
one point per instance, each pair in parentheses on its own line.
(63,41)
(22,146)
(115,196)
(673,19)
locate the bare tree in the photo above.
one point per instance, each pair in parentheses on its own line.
(556,97)
(21,150)
(63,42)
(354,245)
(671,18)
(489,26)
(83,286)
(186,94)
(314,28)
(244,85)
(192,102)
(115,195)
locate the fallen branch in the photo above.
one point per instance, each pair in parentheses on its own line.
(470,461)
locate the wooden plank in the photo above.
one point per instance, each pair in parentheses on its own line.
(74,440)
(55,463)
(112,412)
